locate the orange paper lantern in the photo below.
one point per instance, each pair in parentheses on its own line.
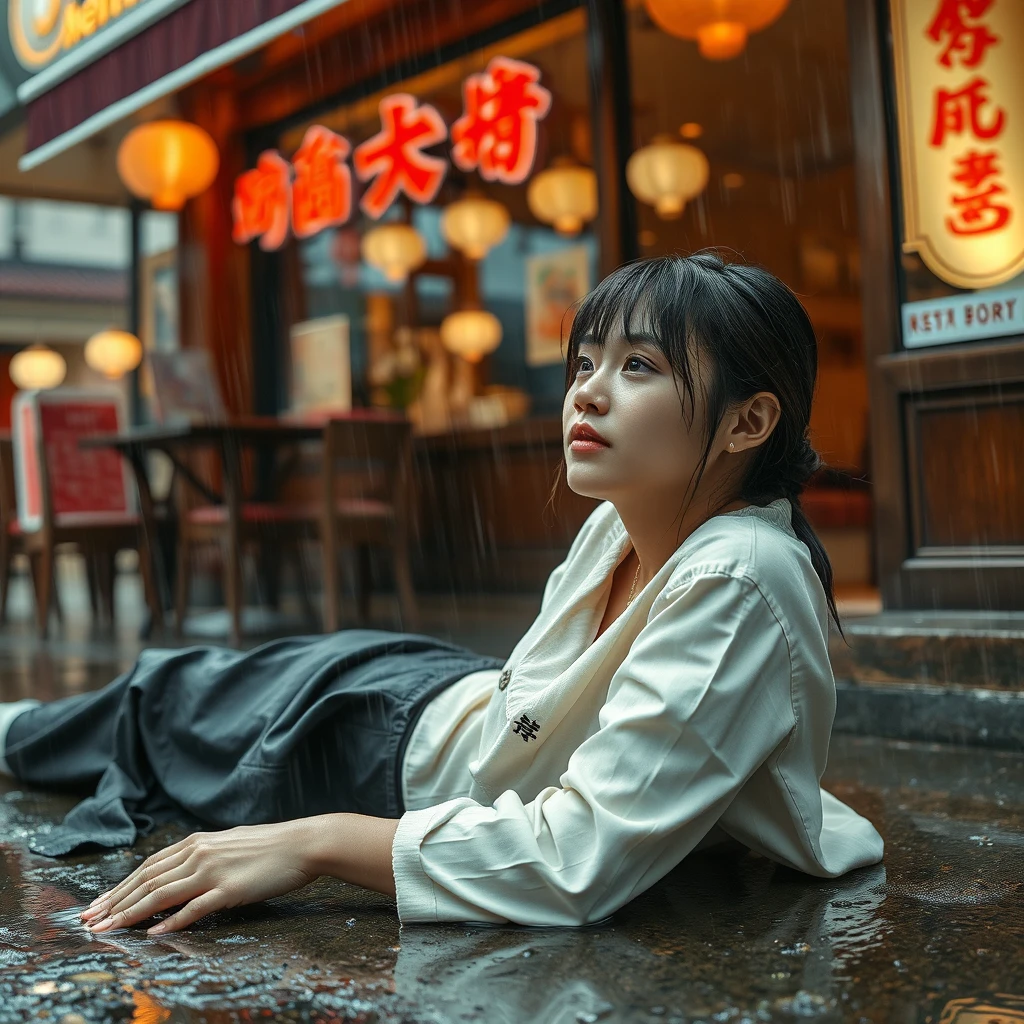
(720,27)
(113,353)
(167,162)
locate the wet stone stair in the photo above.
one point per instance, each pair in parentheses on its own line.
(943,677)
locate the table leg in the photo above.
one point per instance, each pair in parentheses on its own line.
(148,567)
(231,456)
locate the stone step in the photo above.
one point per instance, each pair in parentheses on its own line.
(944,677)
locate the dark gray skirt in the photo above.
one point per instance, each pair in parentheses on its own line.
(215,738)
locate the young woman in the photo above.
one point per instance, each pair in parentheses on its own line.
(674,691)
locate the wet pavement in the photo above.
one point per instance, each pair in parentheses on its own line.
(935,934)
(725,937)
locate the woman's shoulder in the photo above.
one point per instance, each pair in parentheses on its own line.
(756,543)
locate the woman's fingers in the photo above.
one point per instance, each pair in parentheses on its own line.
(170,895)
(150,885)
(210,901)
(151,868)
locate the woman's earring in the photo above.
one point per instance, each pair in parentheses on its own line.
(731,445)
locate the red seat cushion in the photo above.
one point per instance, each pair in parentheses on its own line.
(290,512)
(255,512)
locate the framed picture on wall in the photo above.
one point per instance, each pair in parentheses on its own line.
(321,366)
(554,282)
(159,295)
(185,387)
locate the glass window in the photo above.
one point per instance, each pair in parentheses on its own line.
(773,123)
(525,281)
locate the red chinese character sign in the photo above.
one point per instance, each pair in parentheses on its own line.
(394,161)
(960,98)
(496,136)
(262,202)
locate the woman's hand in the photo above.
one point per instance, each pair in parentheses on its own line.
(207,871)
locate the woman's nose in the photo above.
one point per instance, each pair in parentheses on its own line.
(590,395)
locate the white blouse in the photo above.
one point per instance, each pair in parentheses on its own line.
(554,792)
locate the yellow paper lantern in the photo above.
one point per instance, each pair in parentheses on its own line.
(167,162)
(666,174)
(113,353)
(395,249)
(564,195)
(474,225)
(471,333)
(37,367)
(720,27)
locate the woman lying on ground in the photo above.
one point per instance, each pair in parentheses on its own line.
(674,691)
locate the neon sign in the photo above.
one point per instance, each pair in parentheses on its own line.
(496,135)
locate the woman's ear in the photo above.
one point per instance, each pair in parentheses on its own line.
(753,422)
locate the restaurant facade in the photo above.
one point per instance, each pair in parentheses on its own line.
(427,187)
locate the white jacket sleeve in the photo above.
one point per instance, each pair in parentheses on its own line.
(701,700)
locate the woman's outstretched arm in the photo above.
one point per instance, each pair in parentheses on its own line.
(212,871)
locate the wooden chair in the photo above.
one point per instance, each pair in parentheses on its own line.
(367,500)
(98,533)
(272,527)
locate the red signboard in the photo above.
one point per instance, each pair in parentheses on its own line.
(496,135)
(84,484)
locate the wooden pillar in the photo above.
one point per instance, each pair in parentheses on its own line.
(611,118)
(214,271)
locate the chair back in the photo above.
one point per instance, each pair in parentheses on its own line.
(369,459)
(54,477)
(8,502)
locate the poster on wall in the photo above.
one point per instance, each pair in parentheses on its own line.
(321,366)
(185,387)
(555,281)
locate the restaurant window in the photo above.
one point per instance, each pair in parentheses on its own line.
(401,353)
(772,183)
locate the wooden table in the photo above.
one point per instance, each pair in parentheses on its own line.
(228,439)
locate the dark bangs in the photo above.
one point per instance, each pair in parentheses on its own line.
(655,300)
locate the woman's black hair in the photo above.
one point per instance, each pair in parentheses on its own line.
(756,336)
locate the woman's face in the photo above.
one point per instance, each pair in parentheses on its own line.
(626,393)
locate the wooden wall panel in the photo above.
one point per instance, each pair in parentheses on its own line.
(971,471)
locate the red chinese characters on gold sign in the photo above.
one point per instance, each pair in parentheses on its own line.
(960,95)
(496,135)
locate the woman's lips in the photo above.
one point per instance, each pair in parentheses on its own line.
(587,444)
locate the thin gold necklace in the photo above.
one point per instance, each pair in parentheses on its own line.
(636,576)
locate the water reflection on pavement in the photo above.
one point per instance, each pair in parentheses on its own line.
(727,936)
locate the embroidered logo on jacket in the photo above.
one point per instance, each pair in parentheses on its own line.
(527,729)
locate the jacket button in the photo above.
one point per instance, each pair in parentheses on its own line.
(504,678)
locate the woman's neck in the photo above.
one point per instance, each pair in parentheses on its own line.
(656,531)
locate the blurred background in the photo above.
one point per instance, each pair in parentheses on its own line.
(241,241)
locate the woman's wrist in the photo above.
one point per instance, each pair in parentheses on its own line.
(353,847)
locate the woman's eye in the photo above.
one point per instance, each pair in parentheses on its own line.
(634,364)
(584,364)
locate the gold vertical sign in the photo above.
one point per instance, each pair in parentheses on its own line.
(960,96)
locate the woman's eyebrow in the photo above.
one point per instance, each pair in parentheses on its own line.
(639,338)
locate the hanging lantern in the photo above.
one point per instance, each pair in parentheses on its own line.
(720,27)
(113,353)
(167,162)
(564,195)
(471,333)
(37,367)
(474,225)
(666,174)
(395,249)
